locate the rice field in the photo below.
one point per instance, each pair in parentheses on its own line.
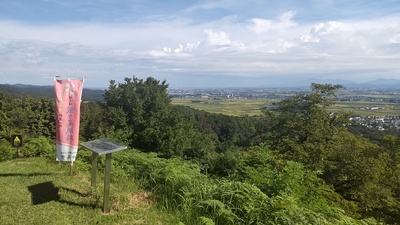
(235,107)
(251,107)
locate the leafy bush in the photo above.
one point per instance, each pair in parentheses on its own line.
(248,204)
(40,146)
(6,150)
(298,196)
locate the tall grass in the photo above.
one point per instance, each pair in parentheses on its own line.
(182,189)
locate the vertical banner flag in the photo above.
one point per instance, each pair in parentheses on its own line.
(68,94)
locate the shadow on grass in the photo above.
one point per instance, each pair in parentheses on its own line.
(24,174)
(47,192)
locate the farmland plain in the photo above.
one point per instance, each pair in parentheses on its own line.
(364,104)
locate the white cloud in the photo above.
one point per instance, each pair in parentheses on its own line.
(233,45)
(283,22)
(261,25)
(308,38)
(395,39)
(217,38)
(327,28)
(189,47)
(24,53)
(286,20)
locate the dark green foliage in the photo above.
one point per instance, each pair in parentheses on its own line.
(42,117)
(5,120)
(227,130)
(23,91)
(375,136)
(93,115)
(220,164)
(383,199)
(142,110)
(274,175)
(29,116)
(40,146)
(303,130)
(6,150)
(300,196)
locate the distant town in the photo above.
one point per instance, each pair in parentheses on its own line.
(359,94)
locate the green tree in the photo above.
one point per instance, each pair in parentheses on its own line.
(5,120)
(41,116)
(31,116)
(303,129)
(361,172)
(146,108)
(92,119)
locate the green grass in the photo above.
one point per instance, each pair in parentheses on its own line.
(36,191)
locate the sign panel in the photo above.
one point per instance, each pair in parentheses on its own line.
(68,94)
(103,146)
(16,140)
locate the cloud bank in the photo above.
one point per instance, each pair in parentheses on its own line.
(180,49)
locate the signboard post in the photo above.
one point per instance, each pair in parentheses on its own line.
(16,141)
(103,147)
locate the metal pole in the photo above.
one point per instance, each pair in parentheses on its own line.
(94,170)
(107,179)
(71,168)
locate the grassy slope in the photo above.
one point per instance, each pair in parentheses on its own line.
(35,191)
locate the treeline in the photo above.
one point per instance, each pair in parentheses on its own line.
(299,165)
(23,90)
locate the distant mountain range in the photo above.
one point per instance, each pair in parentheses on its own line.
(378,83)
(373,84)
(24,90)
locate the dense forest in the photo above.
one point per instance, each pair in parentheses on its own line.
(297,165)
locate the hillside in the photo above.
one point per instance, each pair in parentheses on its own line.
(22,90)
(37,191)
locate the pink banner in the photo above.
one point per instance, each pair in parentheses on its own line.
(68,94)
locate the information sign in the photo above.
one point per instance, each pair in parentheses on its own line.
(103,147)
(16,140)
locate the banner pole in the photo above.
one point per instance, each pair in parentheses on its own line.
(71,168)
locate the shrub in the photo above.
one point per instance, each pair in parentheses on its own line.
(6,150)
(40,146)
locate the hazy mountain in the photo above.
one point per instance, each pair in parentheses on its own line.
(378,83)
(23,90)
(91,94)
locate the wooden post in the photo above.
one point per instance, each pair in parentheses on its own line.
(107,180)
(94,171)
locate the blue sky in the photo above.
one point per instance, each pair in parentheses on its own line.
(208,43)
